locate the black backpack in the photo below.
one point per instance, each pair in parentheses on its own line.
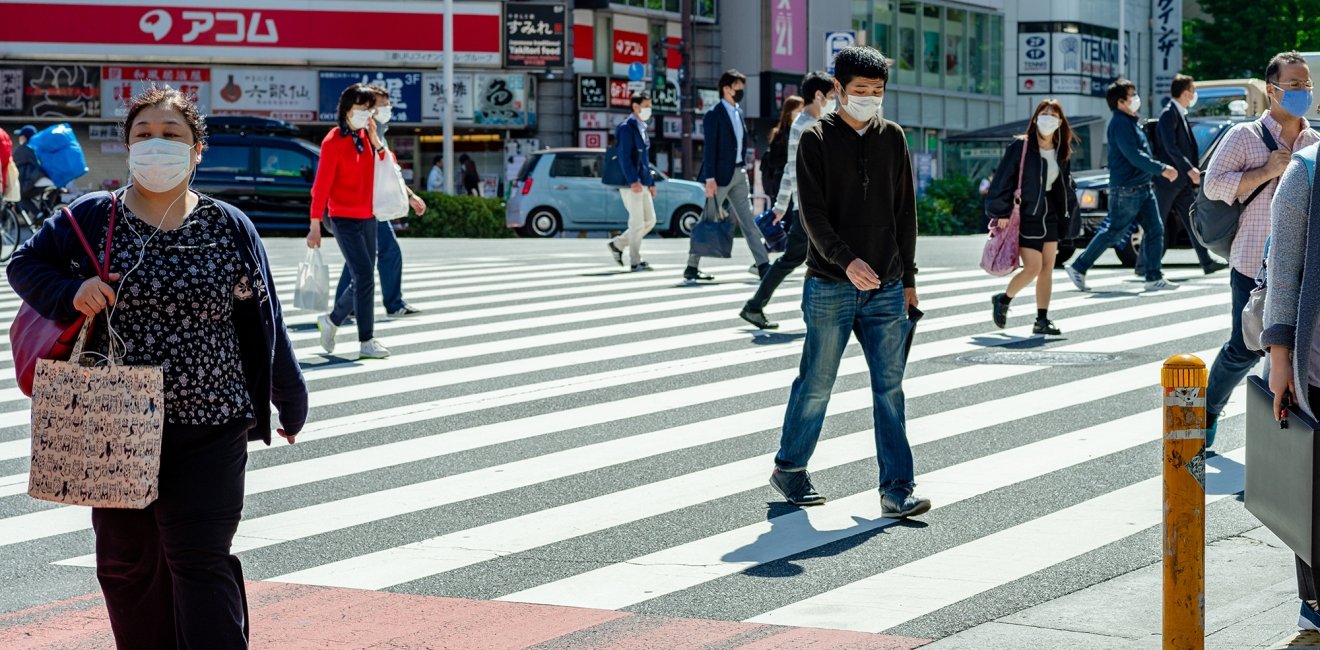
(1215,223)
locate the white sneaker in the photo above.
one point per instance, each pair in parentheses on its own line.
(1078,278)
(373,350)
(328,330)
(1161,285)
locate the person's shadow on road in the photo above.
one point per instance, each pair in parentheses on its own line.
(773,554)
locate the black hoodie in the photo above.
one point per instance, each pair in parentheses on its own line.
(858,199)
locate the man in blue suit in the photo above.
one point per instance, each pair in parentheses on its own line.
(639,185)
(724,169)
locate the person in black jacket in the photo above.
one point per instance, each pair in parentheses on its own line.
(1048,211)
(1175,145)
(858,199)
(776,153)
(471,179)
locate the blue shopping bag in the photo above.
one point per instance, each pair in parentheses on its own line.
(713,235)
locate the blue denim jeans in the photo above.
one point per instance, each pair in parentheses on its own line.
(832,311)
(389,262)
(1234,360)
(1128,204)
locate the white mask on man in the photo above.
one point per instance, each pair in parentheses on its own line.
(1193,102)
(863,109)
(1135,104)
(384,114)
(645,114)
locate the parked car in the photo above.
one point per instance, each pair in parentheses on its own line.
(1093,197)
(560,189)
(262,167)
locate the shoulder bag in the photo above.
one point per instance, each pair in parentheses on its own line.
(1000,255)
(1215,223)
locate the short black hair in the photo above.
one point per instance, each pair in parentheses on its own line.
(353,95)
(730,77)
(860,61)
(1117,92)
(437,160)
(1181,83)
(816,82)
(639,97)
(1281,59)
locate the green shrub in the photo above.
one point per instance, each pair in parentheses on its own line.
(951,206)
(458,216)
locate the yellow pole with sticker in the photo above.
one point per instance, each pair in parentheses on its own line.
(1184,381)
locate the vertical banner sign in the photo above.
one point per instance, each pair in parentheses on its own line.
(11,90)
(620,94)
(1168,43)
(433,97)
(265,92)
(120,84)
(592,92)
(405,90)
(788,34)
(534,36)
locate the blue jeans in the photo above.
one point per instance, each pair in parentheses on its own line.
(1234,360)
(832,310)
(389,261)
(1128,204)
(357,241)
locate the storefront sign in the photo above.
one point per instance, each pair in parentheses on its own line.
(629,44)
(11,90)
(593,139)
(382,31)
(788,35)
(62,91)
(433,97)
(120,84)
(265,92)
(405,91)
(501,100)
(593,119)
(1066,58)
(1168,43)
(534,36)
(672,127)
(620,94)
(593,92)
(706,98)
(103,132)
(664,95)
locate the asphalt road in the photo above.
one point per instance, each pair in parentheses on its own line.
(557,431)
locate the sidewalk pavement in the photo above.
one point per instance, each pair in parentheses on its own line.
(1250,602)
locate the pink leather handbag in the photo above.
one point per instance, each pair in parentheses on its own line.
(1000,255)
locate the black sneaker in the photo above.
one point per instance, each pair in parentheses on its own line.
(901,505)
(1045,327)
(999,310)
(614,251)
(796,487)
(1214,267)
(757,318)
(692,274)
(762,269)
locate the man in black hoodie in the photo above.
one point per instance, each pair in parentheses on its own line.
(859,209)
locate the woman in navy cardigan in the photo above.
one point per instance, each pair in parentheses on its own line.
(191,292)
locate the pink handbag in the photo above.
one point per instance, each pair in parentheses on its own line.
(1000,255)
(33,337)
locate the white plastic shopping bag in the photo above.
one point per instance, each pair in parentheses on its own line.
(390,196)
(313,288)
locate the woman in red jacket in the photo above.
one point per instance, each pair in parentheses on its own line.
(343,192)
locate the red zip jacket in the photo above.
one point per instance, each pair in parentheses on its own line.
(345,178)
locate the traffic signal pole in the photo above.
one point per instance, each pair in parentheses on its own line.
(686,89)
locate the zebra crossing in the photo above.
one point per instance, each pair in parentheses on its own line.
(553,431)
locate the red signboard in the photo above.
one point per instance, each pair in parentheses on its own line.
(384,31)
(584,42)
(620,96)
(630,47)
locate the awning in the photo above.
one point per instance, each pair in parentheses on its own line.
(1006,132)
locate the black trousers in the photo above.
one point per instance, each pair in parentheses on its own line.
(357,241)
(166,571)
(795,255)
(1180,197)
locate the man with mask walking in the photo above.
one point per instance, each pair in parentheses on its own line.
(818,89)
(1131,197)
(855,182)
(724,170)
(1243,166)
(1176,146)
(638,191)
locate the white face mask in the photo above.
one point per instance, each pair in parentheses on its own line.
(159,165)
(1135,104)
(644,114)
(357,118)
(1046,125)
(384,114)
(1193,102)
(863,109)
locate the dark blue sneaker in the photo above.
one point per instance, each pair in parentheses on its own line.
(796,487)
(903,504)
(1308,619)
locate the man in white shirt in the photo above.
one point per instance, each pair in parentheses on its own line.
(435,181)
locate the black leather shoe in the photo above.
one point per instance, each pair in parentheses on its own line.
(691,273)
(762,270)
(999,310)
(1214,266)
(758,319)
(1045,327)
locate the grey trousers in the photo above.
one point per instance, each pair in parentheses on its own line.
(738,192)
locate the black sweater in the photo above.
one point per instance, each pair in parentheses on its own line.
(858,200)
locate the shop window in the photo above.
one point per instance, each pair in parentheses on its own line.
(604,33)
(932,47)
(955,50)
(225,160)
(906,61)
(978,54)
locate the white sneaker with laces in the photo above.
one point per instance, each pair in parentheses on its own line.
(1078,278)
(328,330)
(373,350)
(1161,285)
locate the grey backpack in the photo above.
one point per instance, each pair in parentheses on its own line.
(1215,223)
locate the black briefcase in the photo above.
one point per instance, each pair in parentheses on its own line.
(1280,485)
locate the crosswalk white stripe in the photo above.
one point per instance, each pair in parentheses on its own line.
(687,565)
(918,588)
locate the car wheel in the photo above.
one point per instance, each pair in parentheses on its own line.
(685,218)
(542,222)
(1066,249)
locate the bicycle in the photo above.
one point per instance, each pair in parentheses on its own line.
(17,223)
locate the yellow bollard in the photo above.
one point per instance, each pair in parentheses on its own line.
(1184,381)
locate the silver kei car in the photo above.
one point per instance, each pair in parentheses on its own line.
(560,190)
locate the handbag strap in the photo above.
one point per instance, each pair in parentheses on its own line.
(102,268)
(1022,166)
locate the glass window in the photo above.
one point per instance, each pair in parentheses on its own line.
(996,62)
(978,50)
(604,45)
(576,166)
(285,162)
(882,27)
(657,5)
(224,160)
(906,61)
(955,50)
(861,20)
(673,5)
(703,9)
(932,47)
